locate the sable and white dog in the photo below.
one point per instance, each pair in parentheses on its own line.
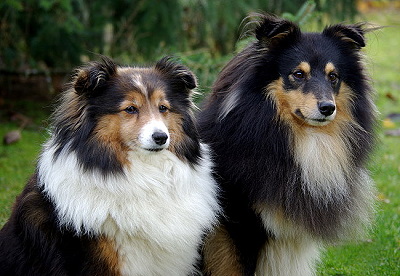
(123,186)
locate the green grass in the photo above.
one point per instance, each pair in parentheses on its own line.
(17,161)
(378,254)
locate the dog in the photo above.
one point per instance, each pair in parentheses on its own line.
(123,186)
(291,123)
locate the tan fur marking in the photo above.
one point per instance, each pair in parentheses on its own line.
(134,98)
(344,102)
(108,132)
(105,252)
(329,68)
(220,256)
(158,97)
(305,67)
(176,131)
(276,93)
(287,102)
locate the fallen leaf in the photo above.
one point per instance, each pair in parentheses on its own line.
(391,97)
(387,123)
(381,197)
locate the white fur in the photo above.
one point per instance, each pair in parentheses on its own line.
(230,102)
(324,162)
(138,83)
(291,252)
(156,213)
(288,257)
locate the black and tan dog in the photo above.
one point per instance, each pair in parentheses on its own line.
(290,121)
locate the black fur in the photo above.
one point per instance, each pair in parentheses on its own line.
(40,248)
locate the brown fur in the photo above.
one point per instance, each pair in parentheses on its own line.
(220,255)
(105,251)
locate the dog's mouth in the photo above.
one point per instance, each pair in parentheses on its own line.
(317,120)
(154,149)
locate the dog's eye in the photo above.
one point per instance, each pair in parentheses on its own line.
(132,110)
(162,108)
(333,77)
(299,74)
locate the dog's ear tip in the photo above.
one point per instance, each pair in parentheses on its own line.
(190,80)
(93,75)
(353,34)
(80,80)
(168,65)
(272,29)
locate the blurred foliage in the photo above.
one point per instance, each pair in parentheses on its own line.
(59,34)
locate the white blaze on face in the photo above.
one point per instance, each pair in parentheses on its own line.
(154,136)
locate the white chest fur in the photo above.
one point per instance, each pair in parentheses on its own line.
(155,213)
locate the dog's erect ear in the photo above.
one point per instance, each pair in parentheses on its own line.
(352,34)
(179,75)
(93,76)
(271,30)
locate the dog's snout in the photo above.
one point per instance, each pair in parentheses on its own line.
(160,138)
(154,136)
(326,108)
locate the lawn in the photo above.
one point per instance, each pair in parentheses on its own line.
(377,254)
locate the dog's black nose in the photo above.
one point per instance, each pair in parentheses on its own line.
(159,137)
(326,107)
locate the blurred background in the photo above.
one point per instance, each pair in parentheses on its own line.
(41,41)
